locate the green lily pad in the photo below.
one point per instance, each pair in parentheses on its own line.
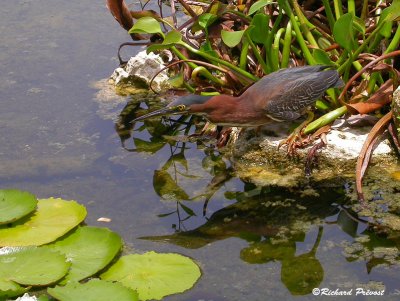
(31,267)
(52,219)
(15,204)
(89,249)
(94,290)
(154,275)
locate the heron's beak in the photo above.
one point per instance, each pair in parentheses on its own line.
(160,112)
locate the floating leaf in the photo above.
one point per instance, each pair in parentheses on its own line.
(343,32)
(52,219)
(94,290)
(154,275)
(15,204)
(146,25)
(259,4)
(232,38)
(89,249)
(30,266)
(10,289)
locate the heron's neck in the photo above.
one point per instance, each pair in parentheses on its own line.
(230,111)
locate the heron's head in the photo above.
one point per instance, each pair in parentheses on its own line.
(179,106)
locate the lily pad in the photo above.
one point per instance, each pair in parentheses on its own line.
(15,204)
(154,275)
(52,219)
(96,290)
(89,249)
(31,267)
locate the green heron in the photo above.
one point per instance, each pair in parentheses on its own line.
(283,95)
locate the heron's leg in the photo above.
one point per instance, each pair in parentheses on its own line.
(293,137)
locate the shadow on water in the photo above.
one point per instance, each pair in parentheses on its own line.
(277,225)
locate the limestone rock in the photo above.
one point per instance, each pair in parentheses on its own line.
(258,160)
(140,69)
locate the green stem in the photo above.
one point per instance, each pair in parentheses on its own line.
(268,42)
(325,119)
(364,10)
(304,24)
(329,13)
(219,61)
(275,49)
(286,45)
(307,54)
(394,44)
(256,53)
(203,71)
(243,54)
(351,7)
(293,49)
(361,48)
(337,4)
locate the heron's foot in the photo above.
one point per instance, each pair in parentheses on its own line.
(295,139)
(293,142)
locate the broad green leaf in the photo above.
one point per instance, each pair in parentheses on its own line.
(154,275)
(177,80)
(358,24)
(232,38)
(207,48)
(10,289)
(52,219)
(259,29)
(146,25)
(259,4)
(394,11)
(89,249)
(15,204)
(386,30)
(343,32)
(166,187)
(172,37)
(156,47)
(321,57)
(206,19)
(94,290)
(30,266)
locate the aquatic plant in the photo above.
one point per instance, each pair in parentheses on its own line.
(224,47)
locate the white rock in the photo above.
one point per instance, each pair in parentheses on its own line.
(143,67)
(26,297)
(344,142)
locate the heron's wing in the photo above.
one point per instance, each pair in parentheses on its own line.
(297,91)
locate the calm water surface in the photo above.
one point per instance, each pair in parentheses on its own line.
(58,139)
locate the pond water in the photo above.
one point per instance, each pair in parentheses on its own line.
(58,139)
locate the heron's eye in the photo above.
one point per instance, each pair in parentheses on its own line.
(181,107)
